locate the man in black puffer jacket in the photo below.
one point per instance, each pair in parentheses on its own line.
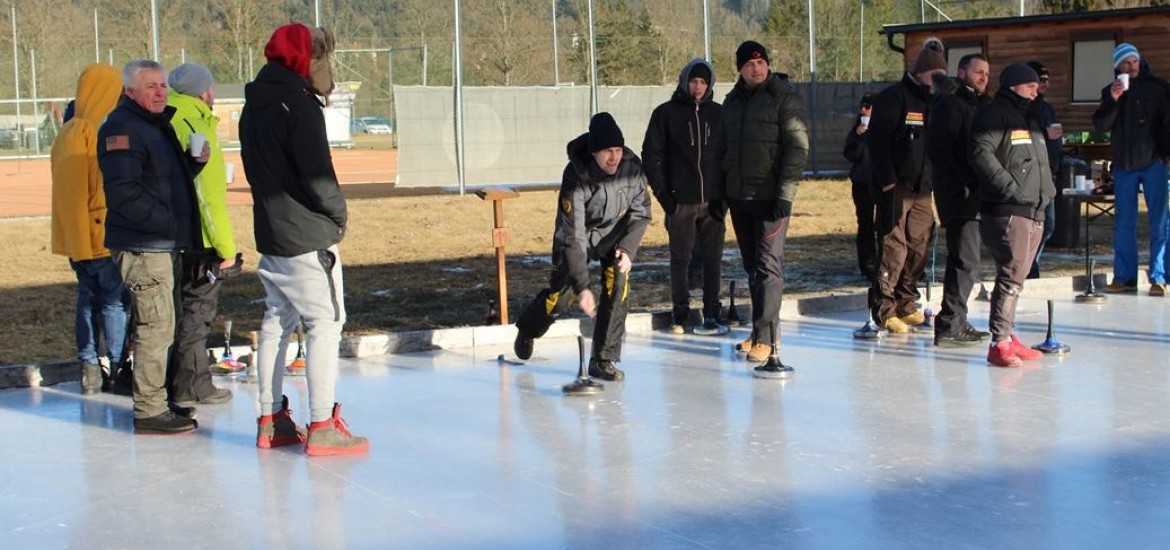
(1010,159)
(150,192)
(760,156)
(956,193)
(603,210)
(897,147)
(677,157)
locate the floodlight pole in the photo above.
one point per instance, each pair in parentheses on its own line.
(706,33)
(154,29)
(592,65)
(460,157)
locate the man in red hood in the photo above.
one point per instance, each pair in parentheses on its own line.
(300,217)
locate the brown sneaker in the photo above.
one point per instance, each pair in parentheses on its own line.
(1120,287)
(1157,289)
(760,352)
(278,430)
(332,437)
(745,346)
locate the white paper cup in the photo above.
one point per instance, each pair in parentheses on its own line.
(231,171)
(865,120)
(1081,183)
(1124,78)
(197,142)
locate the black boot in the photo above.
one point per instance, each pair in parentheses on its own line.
(605,370)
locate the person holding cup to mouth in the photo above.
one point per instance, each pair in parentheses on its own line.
(861,176)
(212,257)
(1135,108)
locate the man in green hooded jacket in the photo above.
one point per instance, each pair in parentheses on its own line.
(192,94)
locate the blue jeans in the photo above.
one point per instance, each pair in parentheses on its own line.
(100,291)
(1125,186)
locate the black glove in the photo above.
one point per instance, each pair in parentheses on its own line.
(781,209)
(234,270)
(669,205)
(717,209)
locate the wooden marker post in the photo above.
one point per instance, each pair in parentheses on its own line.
(500,237)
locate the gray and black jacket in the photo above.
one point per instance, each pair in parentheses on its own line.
(676,152)
(1009,155)
(1139,121)
(298,206)
(956,190)
(761,152)
(598,213)
(149,182)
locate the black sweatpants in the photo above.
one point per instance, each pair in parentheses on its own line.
(609,327)
(864,208)
(963,245)
(761,245)
(691,224)
(196,299)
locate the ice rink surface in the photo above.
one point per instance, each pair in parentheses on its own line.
(890,444)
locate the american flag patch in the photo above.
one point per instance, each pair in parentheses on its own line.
(1021,137)
(118,143)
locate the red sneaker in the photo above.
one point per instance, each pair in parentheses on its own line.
(278,430)
(1024,352)
(1001,354)
(332,437)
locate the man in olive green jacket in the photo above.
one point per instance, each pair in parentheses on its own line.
(189,382)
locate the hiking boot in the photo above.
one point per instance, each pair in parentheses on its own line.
(332,437)
(1002,354)
(1024,352)
(745,346)
(711,327)
(91,378)
(961,339)
(760,352)
(220,395)
(1117,287)
(1157,289)
(167,423)
(605,370)
(916,318)
(677,328)
(278,430)
(523,346)
(896,326)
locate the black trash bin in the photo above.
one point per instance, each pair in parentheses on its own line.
(1067,232)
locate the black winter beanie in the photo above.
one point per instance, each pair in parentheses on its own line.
(604,133)
(748,51)
(1016,74)
(700,70)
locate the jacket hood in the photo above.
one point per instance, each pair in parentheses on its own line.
(98,89)
(944,85)
(683,92)
(273,83)
(183,102)
(292,47)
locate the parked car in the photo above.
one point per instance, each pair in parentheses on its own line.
(375,125)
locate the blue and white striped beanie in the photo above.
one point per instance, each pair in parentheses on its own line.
(1124,51)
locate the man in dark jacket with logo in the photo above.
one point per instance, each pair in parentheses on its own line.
(1137,112)
(1010,159)
(300,216)
(149,186)
(760,156)
(603,210)
(677,156)
(897,147)
(956,193)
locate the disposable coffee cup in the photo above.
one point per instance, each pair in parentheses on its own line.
(1124,78)
(197,142)
(865,120)
(1055,130)
(231,172)
(1081,183)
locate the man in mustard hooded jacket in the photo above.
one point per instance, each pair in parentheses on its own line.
(192,94)
(79,225)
